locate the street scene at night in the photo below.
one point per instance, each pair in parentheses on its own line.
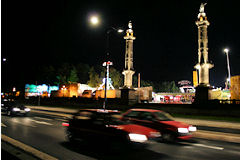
(120,80)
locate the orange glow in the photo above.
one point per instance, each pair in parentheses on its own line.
(110,94)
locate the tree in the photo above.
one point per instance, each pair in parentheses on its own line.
(169,87)
(64,72)
(83,72)
(47,74)
(116,78)
(94,79)
(73,77)
(174,88)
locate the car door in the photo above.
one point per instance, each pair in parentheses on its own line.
(145,119)
(131,116)
(81,124)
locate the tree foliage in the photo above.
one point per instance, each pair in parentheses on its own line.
(116,77)
(83,73)
(73,77)
(94,80)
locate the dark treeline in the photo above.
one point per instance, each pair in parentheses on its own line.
(93,75)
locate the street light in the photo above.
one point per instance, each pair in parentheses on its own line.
(63,89)
(107,63)
(94,20)
(111,29)
(226,50)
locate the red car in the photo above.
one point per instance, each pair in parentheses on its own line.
(105,127)
(170,129)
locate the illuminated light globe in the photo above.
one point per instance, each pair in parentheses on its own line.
(94,20)
(226,50)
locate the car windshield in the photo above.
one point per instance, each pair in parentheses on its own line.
(162,116)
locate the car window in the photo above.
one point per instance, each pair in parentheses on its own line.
(162,116)
(146,116)
(84,115)
(133,114)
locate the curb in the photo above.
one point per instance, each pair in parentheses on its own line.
(27,148)
(227,137)
(209,123)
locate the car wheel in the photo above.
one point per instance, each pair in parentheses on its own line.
(168,137)
(9,113)
(70,136)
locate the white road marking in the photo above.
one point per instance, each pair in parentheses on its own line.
(28,149)
(203,145)
(23,123)
(41,122)
(63,120)
(207,146)
(43,118)
(3,125)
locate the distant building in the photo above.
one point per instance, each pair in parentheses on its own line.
(235,87)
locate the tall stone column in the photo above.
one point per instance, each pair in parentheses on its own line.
(203,65)
(128,69)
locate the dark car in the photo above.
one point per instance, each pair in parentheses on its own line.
(11,107)
(105,127)
(170,129)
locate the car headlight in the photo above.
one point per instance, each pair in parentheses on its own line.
(27,109)
(137,137)
(155,134)
(183,130)
(16,109)
(192,129)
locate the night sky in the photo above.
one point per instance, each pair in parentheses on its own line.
(51,32)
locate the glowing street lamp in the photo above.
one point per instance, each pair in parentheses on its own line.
(94,20)
(226,50)
(63,89)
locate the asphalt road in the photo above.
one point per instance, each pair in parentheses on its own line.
(46,134)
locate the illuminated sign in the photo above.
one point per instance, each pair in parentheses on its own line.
(31,88)
(184,82)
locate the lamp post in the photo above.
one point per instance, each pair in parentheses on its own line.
(226,50)
(63,89)
(107,63)
(94,21)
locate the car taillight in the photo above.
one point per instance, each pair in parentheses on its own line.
(65,124)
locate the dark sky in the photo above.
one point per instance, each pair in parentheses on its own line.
(56,31)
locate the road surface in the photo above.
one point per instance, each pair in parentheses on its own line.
(46,134)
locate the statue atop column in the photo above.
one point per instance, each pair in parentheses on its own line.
(201,10)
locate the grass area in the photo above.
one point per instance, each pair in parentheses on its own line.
(215,118)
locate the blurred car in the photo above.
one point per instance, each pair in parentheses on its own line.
(105,127)
(170,129)
(11,107)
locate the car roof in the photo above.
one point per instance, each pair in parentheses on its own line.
(145,110)
(100,110)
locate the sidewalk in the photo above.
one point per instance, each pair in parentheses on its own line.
(197,122)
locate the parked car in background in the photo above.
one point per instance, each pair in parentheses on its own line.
(170,129)
(105,127)
(11,107)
